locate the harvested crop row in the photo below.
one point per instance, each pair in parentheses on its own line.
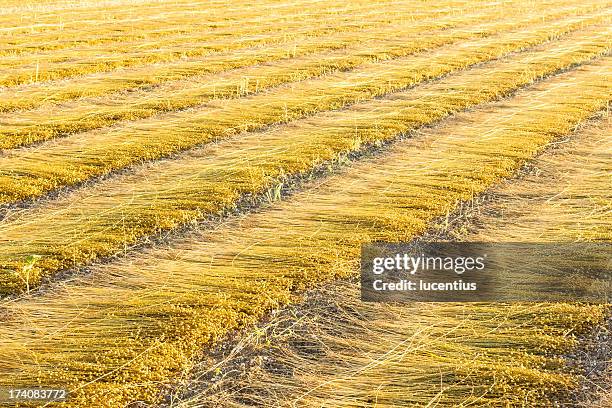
(98,21)
(150,76)
(340,351)
(24,30)
(257,55)
(190,29)
(566,197)
(44,14)
(83,115)
(148,24)
(77,158)
(43,6)
(336,351)
(603,399)
(104,219)
(59,65)
(117,333)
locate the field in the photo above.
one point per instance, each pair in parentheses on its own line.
(185,187)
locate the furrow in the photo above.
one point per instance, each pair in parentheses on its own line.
(373,45)
(114,335)
(30,173)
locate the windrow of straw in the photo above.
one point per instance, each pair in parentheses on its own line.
(116,334)
(60,64)
(108,217)
(145,77)
(30,173)
(371,45)
(335,351)
(97,24)
(42,32)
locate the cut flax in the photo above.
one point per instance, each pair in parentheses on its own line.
(152,75)
(22,34)
(62,29)
(55,65)
(149,76)
(34,20)
(29,173)
(307,60)
(603,400)
(572,203)
(335,351)
(104,219)
(116,334)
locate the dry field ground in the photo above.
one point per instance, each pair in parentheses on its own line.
(185,186)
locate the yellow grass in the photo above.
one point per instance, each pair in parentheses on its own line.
(31,173)
(96,23)
(308,59)
(336,351)
(60,64)
(106,218)
(174,171)
(34,32)
(148,76)
(119,332)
